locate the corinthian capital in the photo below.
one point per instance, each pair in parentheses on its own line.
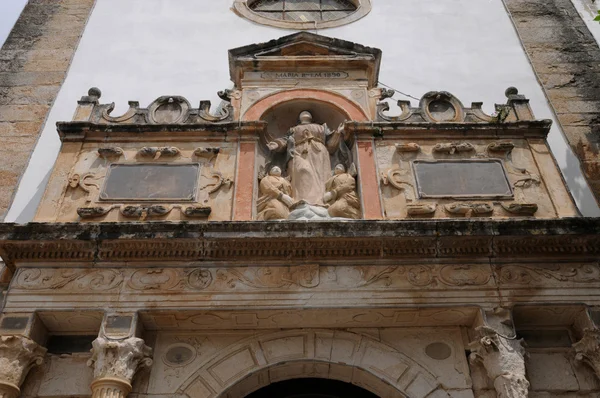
(18,354)
(503,360)
(119,359)
(588,349)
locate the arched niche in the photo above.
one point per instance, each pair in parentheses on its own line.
(284,115)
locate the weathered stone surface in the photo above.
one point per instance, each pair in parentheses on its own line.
(565,56)
(33,64)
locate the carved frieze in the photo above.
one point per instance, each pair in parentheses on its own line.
(524,275)
(76,280)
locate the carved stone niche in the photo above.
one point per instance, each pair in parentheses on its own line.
(285,191)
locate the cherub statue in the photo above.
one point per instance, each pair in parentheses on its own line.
(341,194)
(275,200)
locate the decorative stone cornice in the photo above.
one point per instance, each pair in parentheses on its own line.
(503,360)
(78,131)
(588,349)
(302,241)
(119,359)
(18,354)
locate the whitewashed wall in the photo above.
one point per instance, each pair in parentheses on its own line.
(142,49)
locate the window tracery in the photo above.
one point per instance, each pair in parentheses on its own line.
(303,14)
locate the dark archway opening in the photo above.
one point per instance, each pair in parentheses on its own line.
(311,388)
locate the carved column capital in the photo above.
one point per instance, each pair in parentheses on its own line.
(18,354)
(503,360)
(587,349)
(115,362)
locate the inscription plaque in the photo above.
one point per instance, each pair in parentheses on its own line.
(462,179)
(155,182)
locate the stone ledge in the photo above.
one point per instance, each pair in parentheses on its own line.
(572,238)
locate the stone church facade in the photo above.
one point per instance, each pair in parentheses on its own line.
(307,237)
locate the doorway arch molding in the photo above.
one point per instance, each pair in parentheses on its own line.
(262,359)
(354,111)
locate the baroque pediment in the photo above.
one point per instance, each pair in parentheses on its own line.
(305,52)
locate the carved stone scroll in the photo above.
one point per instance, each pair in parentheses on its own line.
(18,354)
(93,212)
(503,360)
(155,152)
(207,152)
(197,211)
(421,209)
(107,153)
(410,147)
(453,147)
(501,146)
(142,212)
(523,209)
(115,362)
(467,209)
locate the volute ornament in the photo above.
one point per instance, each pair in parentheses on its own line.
(588,349)
(119,359)
(503,360)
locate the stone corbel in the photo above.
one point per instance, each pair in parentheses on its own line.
(503,360)
(588,349)
(18,354)
(115,362)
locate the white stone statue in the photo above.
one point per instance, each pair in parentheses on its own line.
(275,200)
(309,146)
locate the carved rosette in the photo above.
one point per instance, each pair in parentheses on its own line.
(18,355)
(115,362)
(503,360)
(588,349)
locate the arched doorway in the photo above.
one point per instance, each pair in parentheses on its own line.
(311,388)
(336,355)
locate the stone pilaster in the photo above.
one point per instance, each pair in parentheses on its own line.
(503,360)
(18,354)
(588,349)
(115,362)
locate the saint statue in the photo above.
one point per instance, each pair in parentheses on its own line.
(309,146)
(275,200)
(341,193)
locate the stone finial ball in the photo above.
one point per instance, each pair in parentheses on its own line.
(95,92)
(511,91)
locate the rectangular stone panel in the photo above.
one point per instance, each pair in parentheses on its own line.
(461,179)
(155,182)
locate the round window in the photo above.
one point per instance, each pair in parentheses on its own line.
(303,14)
